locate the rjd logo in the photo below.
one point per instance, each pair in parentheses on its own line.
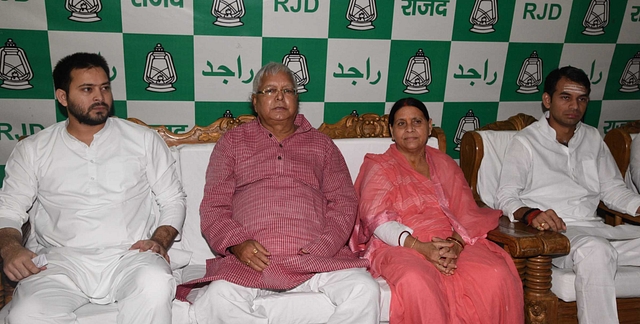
(84,10)
(298,65)
(157,3)
(159,71)
(361,14)
(15,70)
(7,132)
(228,12)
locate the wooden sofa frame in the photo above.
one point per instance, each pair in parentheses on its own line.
(352,126)
(532,250)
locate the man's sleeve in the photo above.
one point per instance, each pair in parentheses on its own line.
(165,183)
(19,189)
(614,192)
(634,164)
(216,216)
(513,177)
(342,204)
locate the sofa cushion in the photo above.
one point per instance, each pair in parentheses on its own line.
(495,146)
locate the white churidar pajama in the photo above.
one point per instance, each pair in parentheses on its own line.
(354,293)
(539,172)
(91,204)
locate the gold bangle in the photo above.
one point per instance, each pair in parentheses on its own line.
(455,240)
(415,239)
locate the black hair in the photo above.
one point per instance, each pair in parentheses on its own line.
(572,73)
(62,71)
(409,101)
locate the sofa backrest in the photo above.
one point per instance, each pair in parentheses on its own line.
(495,146)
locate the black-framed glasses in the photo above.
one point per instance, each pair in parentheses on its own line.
(288,92)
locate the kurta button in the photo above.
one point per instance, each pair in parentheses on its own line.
(270,135)
(280,145)
(279,157)
(92,178)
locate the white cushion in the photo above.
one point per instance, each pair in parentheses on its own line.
(627,283)
(495,146)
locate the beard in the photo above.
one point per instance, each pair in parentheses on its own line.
(85,117)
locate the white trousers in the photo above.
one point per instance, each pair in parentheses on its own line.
(355,294)
(595,260)
(140,282)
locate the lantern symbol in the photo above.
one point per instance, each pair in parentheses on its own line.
(530,76)
(297,63)
(483,16)
(630,79)
(159,71)
(15,71)
(418,74)
(467,123)
(84,10)
(228,12)
(361,14)
(596,18)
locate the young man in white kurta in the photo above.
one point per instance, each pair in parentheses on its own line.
(93,217)
(562,167)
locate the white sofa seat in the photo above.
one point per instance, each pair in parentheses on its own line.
(192,161)
(495,144)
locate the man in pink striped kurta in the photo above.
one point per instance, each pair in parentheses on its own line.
(279,206)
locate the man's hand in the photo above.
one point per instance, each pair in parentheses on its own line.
(549,221)
(18,264)
(251,253)
(151,245)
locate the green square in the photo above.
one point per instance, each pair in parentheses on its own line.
(622,56)
(462,22)
(203,19)
(609,34)
(592,115)
(519,52)
(402,52)
(208,112)
(315,53)
(382,24)
(453,112)
(137,47)
(110,18)
(334,111)
(119,109)
(35,47)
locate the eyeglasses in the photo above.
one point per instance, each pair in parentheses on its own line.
(287,92)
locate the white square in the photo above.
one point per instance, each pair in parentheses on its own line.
(313,112)
(295,18)
(512,108)
(594,60)
(629,33)
(23,117)
(109,45)
(173,17)
(475,71)
(540,21)
(357,69)
(178,116)
(615,113)
(418,20)
(22,15)
(225,67)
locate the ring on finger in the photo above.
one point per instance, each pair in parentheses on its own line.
(248,262)
(543,224)
(255,251)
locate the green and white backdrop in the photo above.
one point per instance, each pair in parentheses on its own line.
(185,62)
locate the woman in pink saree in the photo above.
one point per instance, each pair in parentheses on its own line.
(424,234)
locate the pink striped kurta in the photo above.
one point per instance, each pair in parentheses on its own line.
(485,287)
(287,196)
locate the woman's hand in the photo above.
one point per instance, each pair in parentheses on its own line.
(439,252)
(449,263)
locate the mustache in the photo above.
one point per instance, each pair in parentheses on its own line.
(97,104)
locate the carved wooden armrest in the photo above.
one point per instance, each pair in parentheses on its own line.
(616,218)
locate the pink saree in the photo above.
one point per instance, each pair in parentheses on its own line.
(485,287)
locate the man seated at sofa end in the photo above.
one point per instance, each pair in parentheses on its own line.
(555,173)
(94,181)
(279,206)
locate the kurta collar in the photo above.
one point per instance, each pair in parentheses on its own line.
(300,121)
(98,137)
(550,133)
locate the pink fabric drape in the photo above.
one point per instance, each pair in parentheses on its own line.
(485,288)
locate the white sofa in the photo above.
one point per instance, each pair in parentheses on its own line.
(192,162)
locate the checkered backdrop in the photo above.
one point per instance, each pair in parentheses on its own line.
(182,63)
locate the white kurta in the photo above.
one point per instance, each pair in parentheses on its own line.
(91,204)
(539,172)
(634,166)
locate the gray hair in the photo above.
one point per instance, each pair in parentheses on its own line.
(272,68)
